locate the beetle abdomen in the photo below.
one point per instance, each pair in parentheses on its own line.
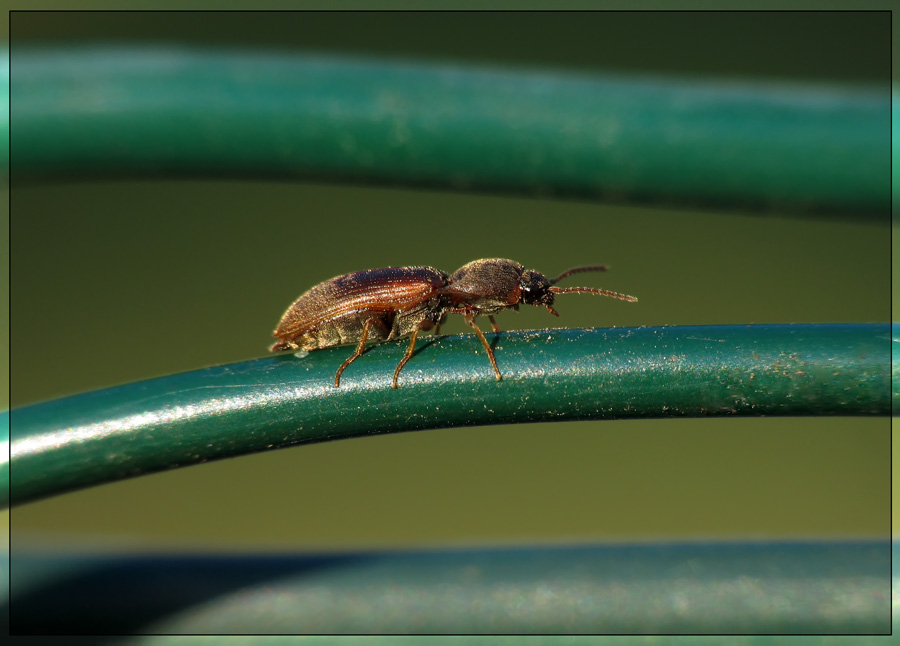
(345,330)
(335,312)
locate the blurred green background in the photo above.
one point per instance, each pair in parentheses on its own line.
(126,280)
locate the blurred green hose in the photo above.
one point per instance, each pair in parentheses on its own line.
(81,112)
(559,374)
(726,588)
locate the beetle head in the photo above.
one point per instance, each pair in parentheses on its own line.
(538,290)
(535,290)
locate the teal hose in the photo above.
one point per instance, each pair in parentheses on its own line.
(83,112)
(724,588)
(274,402)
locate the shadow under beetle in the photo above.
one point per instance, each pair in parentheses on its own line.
(384,304)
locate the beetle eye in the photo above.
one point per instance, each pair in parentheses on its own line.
(531,293)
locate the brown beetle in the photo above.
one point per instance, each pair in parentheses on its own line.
(383,304)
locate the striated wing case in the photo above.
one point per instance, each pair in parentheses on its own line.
(387,290)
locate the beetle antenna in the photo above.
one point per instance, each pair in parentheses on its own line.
(577,270)
(592,290)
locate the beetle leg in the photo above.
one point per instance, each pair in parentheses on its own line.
(437,327)
(493,323)
(395,327)
(470,319)
(406,357)
(359,350)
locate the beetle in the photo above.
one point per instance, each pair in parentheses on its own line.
(384,304)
